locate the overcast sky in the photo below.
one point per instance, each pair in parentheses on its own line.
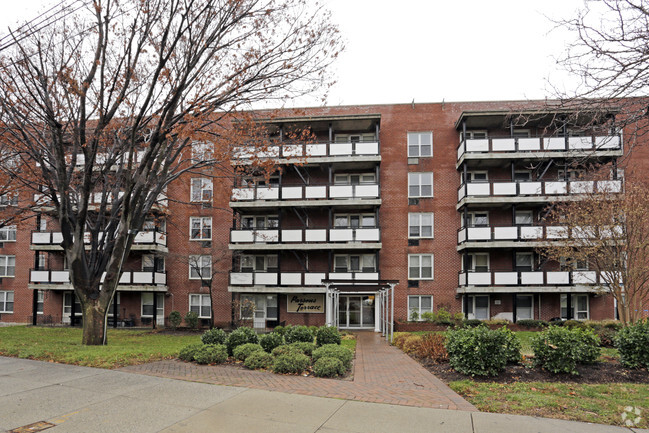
(462,50)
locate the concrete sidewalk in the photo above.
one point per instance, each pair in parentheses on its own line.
(81,399)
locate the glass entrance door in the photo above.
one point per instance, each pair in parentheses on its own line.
(356,311)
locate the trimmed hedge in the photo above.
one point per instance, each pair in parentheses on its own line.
(259,359)
(481,351)
(214,336)
(632,343)
(328,367)
(559,349)
(293,363)
(245,350)
(187,353)
(334,351)
(327,335)
(296,334)
(240,336)
(271,341)
(211,354)
(304,347)
(530,323)
(285,349)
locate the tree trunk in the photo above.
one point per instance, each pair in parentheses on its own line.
(93,324)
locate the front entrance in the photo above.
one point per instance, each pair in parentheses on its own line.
(356,311)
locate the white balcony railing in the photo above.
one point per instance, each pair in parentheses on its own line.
(292,150)
(295,278)
(529,278)
(532,233)
(127,278)
(536,188)
(547,144)
(260,236)
(149,237)
(306,192)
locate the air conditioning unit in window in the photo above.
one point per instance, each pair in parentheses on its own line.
(207,244)
(207,206)
(413,283)
(413,201)
(413,242)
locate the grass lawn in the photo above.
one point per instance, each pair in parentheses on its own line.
(125,347)
(350,344)
(602,404)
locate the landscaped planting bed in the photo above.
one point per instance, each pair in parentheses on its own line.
(307,351)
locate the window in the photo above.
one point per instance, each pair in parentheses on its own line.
(420,144)
(200,228)
(523,218)
(6,302)
(477,219)
(41,261)
(524,262)
(265,306)
(9,200)
(259,222)
(579,307)
(7,266)
(41,225)
(202,151)
(354,178)
(474,135)
(201,304)
(478,307)
(355,263)
(420,304)
(420,184)
(420,225)
(149,263)
(40,302)
(201,189)
(67,304)
(479,262)
(522,175)
(111,308)
(524,307)
(8,234)
(575,174)
(355,138)
(420,266)
(200,267)
(147,304)
(569,264)
(251,263)
(251,182)
(521,133)
(354,220)
(476,176)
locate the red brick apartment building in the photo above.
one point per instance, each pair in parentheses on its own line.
(442,202)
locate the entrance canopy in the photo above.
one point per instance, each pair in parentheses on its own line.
(383,289)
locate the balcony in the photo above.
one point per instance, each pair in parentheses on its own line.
(493,148)
(315,151)
(529,281)
(307,195)
(293,281)
(134,281)
(43,200)
(148,240)
(531,191)
(305,239)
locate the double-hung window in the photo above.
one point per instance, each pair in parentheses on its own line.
(200,267)
(250,263)
(420,144)
(419,304)
(354,220)
(6,302)
(7,266)
(420,184)
(251,222)
(9,200)
(200,228)
(202,151)
(147,304)
(355,263)
(420,225)
(200,304)
(578,307)
(202,188)
(8,234)
(420,266)
(149,263)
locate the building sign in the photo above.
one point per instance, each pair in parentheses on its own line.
(305,303)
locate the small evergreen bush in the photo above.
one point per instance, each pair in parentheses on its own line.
(259,359)
(443,317)
(472,323)
(428,316)
(285,349)
(574,324)
(328,367)
(243,351)
(191,319)
(480,351)
(298,333)
(293,363)
(211,354)
(632,343)
(531,323)
(559,349)
(304,347)
(240,336)
(175,319)
(334,351)
(187,353)
(327,335)
(214,336)
(279,329)
(271,341)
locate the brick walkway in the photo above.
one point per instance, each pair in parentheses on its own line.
(382,374)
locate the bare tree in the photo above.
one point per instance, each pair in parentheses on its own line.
(609,231)
(118,99)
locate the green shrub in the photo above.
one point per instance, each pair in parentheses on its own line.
(242,351)
(240,336)
(214,336)
(304,347)
(574,324)
(175,319)
(497,322)
(531,323)
(633,344)
(279,329)
(327,335)
(559,349)
(291,363)
(606,336)
(458,317)
(187,353)
(211,354)
(334,351)
(259,359)
(480,351)
(414,316)
(328,367)
(428,316)
(271,341)
(472,323)
(313,329)
(191,319)
(298,333)
(285,349)
(443,317)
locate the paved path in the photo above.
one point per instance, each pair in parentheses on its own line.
(382,374)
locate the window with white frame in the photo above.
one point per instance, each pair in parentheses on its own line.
(476,219)
(521,133)
(42,224)
(478,307)
(524,261)
(201,305)
(420,144)
(67,304)
(354,220)
(354,178)
(420,184)
(475,135)
(419,304)
(570,264)
(251,182)
(355,138)
(7,266)
(523,217)
(475,176)
(6,301)
(478,262)
(420,266)
(579,307)
(8,234)
(200,267)
(259,222)
(9,200)
(355,263)
(201,189)
(200,228)
(522,175)
(41,261)
(149,263)
(524,307)
(202,151)
(258,263)
(40,302)
(265,306)
(420,225)
(147,304)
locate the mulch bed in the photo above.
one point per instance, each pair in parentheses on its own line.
(599,373)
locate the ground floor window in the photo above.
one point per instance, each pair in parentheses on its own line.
(40,302)
(524,307)
(579,307)
(478,307)
(419,304)
(6,302)
(147,304)
(201,305)
(261,307)
(67,304)
(111,308)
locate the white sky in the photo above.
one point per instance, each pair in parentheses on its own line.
(427,50)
